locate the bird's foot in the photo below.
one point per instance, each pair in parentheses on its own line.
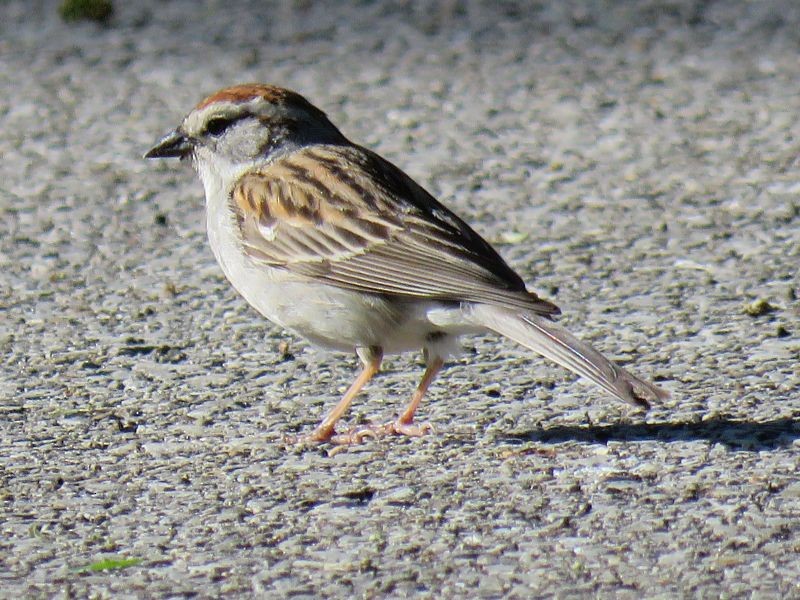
(397,427)
(358,435)
(409,429)
(319,436)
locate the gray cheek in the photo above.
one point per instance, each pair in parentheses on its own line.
(238,148)
(253,146)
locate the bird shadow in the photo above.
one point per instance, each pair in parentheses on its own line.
(737,435)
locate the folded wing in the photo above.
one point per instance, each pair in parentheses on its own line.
(345,216)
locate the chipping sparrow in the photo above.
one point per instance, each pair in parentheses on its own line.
(331,241)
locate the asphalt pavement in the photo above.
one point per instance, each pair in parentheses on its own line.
(637,163)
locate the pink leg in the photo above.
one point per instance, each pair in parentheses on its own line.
(404,425)
(371,357)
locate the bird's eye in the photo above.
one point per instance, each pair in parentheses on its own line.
(217,125)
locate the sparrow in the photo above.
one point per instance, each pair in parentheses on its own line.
(331,241)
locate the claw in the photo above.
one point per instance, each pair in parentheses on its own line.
(315,437)
(354,436)
(409,429)
(358,435)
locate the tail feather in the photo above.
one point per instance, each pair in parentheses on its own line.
(554,342)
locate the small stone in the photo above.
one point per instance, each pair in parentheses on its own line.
(759,307)
(99,11)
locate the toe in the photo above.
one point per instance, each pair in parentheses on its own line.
(410,429)
(355,436)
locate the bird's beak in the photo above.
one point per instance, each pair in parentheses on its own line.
(173,145)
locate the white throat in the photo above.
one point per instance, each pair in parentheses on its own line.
(218,177)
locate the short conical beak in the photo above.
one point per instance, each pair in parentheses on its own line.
(172,145)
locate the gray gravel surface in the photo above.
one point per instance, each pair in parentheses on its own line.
(636,161)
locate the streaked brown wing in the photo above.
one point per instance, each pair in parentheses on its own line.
(345,216)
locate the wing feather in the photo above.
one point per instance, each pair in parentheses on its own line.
(345,216)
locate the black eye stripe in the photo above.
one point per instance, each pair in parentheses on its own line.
(217,125)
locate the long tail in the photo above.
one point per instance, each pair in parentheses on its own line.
(554,342)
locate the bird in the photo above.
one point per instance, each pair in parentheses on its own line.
(331,241)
